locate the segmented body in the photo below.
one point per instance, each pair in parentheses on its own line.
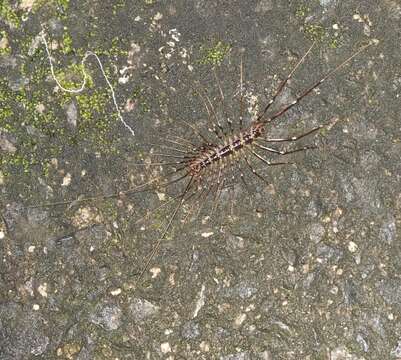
(200,167)
(227,151)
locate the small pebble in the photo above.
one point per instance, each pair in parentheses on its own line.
(352,247)
(165,348)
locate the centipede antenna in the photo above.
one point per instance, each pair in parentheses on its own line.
(283,83)
(316,84)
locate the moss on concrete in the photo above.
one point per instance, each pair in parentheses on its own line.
(214,55)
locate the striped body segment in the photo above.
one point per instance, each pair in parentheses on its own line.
(228,150)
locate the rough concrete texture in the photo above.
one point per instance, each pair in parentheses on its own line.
(304,266)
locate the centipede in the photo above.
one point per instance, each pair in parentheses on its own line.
(211,158)
(226,149)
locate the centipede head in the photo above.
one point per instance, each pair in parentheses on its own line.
(257,129)
(195,168)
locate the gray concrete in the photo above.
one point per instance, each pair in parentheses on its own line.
(304,267)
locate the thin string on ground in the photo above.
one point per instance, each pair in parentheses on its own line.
(86,76)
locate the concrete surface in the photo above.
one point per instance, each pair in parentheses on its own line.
(304,267)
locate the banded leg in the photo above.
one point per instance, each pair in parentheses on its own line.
(283,83)
(292,138)
(254,172)
(267,162)
(285,152)
(316,84)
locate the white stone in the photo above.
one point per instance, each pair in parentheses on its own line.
(66,180)
(165,347)
(42,289)
(352,247)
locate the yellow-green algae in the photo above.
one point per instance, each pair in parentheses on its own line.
(214,55)
(316,31)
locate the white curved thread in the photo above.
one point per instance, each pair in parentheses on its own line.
(86,76)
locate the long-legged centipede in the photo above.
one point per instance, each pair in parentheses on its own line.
(202,166)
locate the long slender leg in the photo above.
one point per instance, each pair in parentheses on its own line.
(285,152)
(172,138)
(184,220)
(219,126)
(206,190)
(214,124)
(283,83)
(209,183)
(191,150)
(173,156)
(222,99)
(143,218)
(81,199)
(165,184)
(173,181)
(292,138)
(166,229)
(241,101)
(232,198)
(267,162)
(169,148)
(198,133)
(242,177)
(197,200)
(254,171)
(218,190)
(159,163)
(191,145)
(317,84)
(231,172)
